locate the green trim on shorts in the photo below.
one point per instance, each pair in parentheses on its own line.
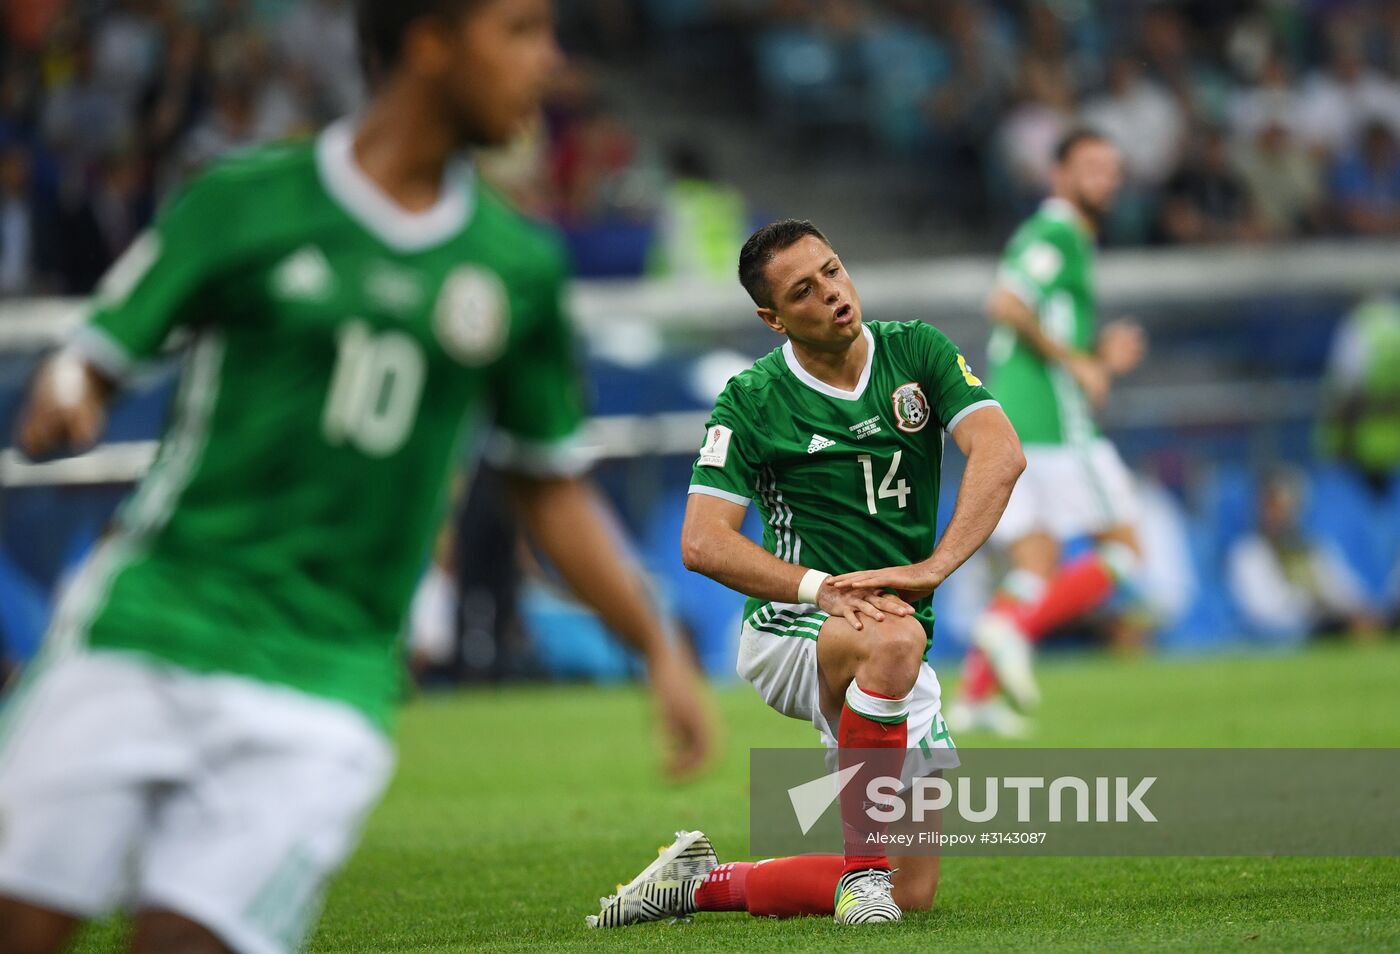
(787,622)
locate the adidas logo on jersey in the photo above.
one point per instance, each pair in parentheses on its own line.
(819,443)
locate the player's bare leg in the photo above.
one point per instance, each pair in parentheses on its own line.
(165,932)
(883,657)
(916,876)
(1124,534)
(915,880)
(1128,633)
(867,677)
(26,929)
(1001,653)
(1037,553)
(1016,618)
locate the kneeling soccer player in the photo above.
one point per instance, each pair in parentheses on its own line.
(838,435)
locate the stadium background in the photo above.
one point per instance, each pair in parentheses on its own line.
(1263,207)
(1262,202)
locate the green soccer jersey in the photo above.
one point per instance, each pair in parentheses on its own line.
(1048,264)
(345,354)
(844,480)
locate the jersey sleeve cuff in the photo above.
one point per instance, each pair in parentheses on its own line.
(974,406)
(721,494)
(1017,285)
(565,457)
(103,352)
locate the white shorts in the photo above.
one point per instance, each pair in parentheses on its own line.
(1067,491)
(780,661)
(125,782)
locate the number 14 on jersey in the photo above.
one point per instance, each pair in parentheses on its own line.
(888,487)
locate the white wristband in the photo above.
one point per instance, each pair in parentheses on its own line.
(811,583)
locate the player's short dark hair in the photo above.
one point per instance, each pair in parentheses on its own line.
(1073,139)
(382,25)
(759,250)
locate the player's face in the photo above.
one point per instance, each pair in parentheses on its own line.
(814,300)
(499,60)
(1090,177)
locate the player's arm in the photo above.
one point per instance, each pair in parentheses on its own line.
(713,544)
(1009,309)
(994,462)
(574,530)
(154,287)
(722,484)
(539,413)
(1027,278)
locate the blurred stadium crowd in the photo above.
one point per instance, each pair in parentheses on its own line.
(1241,121)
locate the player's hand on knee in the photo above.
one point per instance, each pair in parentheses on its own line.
(911,583)
(851,604)
(66,410)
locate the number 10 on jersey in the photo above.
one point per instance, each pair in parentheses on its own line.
(375,388)
(888,487)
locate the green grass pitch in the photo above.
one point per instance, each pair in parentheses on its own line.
(513,810)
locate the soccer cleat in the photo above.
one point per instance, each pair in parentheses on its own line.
(664,889)
(988,715)
(866,897)
(1008,652)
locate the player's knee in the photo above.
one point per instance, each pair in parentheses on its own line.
(897,649)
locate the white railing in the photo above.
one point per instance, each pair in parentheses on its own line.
(947,290)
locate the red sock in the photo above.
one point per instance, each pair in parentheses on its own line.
(879,725)
(1077,588)
(725,888)
(791,887)
(978,682)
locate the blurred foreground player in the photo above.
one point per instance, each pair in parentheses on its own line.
(838,437)
(1051,368)
(209,723)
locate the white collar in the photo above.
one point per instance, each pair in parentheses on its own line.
(1064,210)
(822,387)
(362,198)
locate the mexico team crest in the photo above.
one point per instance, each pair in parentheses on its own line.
(910,407)
(472,317)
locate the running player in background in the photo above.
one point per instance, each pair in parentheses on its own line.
(209,722)
(838,437)
(1051,368)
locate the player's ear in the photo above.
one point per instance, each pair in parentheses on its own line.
(773,320)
